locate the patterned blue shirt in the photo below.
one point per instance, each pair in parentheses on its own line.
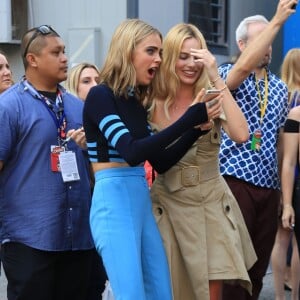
(36,207)
(257,167)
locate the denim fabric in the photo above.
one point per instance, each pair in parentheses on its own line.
(127,236)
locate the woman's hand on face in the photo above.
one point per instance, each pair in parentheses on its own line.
(204,57)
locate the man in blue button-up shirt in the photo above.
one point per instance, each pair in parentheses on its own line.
(251,168)
(45,234)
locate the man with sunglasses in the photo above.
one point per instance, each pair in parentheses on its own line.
(44,181)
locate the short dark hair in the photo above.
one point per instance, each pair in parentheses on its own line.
(32,36)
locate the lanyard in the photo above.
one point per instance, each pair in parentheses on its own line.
(55,110)
(58,115)
(263,102)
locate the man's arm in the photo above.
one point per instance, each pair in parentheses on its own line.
(254,52)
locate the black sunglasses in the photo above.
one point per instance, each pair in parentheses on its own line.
(44,30)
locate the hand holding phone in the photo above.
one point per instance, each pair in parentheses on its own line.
(210,96)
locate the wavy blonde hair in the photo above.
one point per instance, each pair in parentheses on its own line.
(290,70)
(118,71)
(167,82)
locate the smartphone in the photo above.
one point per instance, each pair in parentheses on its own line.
(210,94)
(209,97)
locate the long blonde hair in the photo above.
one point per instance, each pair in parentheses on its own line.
(167,82)
(290,70)
(118,71)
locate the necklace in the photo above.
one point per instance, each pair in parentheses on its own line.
(181,105)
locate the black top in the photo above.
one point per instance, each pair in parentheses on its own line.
(291,126)
(117,131)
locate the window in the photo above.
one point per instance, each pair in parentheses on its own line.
(18,18)
(210,16)
(13,20)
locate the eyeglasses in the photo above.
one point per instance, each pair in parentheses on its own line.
(44,30)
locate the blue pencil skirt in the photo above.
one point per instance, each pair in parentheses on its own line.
(127,237)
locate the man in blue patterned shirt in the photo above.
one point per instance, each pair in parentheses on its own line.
(251,168)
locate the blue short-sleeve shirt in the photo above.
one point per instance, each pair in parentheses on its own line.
(36,207)
(257,167)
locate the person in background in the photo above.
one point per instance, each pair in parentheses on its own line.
(5,83)
(120,140)
(251,168)
(6,80)
(80,80)
(291,191)
(205,237)
(290,74)
(45,197)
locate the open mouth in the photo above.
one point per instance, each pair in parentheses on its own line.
(190,73)
(152,71)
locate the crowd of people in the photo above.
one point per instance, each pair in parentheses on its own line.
(76,208)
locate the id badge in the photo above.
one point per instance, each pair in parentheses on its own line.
(256,140)
(68,166)
(54,157)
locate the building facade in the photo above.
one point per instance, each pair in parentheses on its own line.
(87,26)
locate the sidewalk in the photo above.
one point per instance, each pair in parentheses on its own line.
(267,292)
(2,285)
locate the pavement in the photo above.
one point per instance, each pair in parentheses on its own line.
(266,294)
(3,283)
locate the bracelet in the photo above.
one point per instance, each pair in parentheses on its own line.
(223,88)
(215,80)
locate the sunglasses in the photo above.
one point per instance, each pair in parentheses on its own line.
(44,30)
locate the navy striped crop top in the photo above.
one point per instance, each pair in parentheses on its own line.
(117,131)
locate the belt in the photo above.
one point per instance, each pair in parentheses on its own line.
(177,178)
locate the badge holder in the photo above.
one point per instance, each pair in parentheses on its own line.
(256,140)
(65,162)
(54,157)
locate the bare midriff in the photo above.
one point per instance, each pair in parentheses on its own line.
(107,165)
